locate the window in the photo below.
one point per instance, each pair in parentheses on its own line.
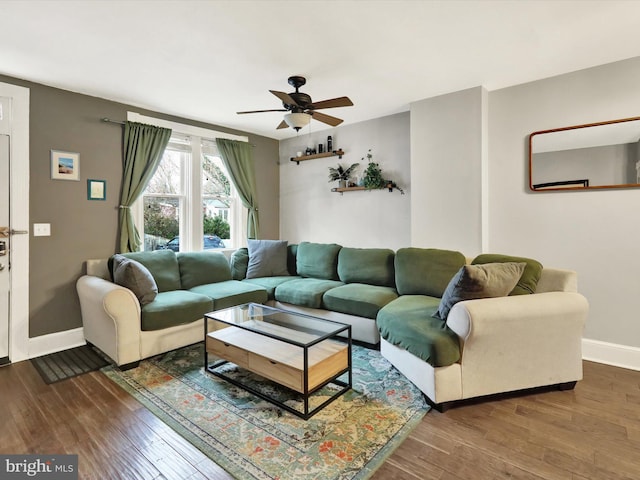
(190,203)
(191,196)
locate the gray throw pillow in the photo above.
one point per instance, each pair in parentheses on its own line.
(479,281)
(267,258)
(136,277)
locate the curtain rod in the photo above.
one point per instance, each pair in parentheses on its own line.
(108,120)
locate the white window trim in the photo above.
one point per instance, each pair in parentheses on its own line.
(241,214)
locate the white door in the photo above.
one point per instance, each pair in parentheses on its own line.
(5,249)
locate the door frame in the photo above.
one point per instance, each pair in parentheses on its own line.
(19,215)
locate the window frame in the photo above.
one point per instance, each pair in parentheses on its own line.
(191,230)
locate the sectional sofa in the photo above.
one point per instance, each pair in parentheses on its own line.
(456,328)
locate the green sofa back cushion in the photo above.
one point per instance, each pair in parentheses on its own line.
(162,264)
(529,280)
(426,271)
(239,263)
(200,268)
(373,266)
(318,260)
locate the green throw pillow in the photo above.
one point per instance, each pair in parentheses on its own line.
(530,277)
(479,281)
(136,277)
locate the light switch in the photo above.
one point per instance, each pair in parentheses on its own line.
(41,229)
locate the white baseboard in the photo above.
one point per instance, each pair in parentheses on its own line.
(56,342)
(611,354)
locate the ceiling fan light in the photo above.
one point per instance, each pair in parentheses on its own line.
(297,120)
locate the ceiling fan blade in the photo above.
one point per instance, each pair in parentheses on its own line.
(286,99)
(324,118)
(261,111)
(332,103)
(283,124)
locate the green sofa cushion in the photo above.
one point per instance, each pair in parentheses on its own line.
(239,262)
(163,265)
(318,260)
(176,307)
(426,271)
(292,259)
(407,322)
(201,268)
(373,266)
(305,292)
(231,292)
(529,280)
(358,299)
(269,283)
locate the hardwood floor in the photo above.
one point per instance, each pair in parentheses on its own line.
(592,432)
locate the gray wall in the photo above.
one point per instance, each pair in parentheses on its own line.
(447,170)
(82,229)
(592,232)
(310,211)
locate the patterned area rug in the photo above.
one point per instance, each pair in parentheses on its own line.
(252,439)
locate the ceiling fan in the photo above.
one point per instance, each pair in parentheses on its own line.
(302,108)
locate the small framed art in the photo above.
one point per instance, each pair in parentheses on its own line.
(65,165)
(96,189)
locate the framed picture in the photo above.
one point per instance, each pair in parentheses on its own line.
(65,165)
(96,189)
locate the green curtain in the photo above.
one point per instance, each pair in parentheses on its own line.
(238,158)
(143,149)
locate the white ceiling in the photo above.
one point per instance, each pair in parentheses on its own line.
(205,60)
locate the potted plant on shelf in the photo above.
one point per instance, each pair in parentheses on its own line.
(342,174)
(373,178)
(373,174)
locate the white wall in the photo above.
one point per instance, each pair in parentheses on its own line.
(596,233)
(448,133)
(309,211)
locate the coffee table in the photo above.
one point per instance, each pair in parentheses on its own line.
(300,352)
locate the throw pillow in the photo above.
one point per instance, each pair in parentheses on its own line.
(267,258)
(479,281)
(529,280)
(136,277)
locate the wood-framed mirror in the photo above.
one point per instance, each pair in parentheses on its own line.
(586,157)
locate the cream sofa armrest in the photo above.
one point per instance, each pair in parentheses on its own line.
(517,342)
(111,318)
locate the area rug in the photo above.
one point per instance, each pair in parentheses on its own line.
(252,439)
(59,366)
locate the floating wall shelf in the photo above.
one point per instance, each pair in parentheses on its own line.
(341,190)
(335,153)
